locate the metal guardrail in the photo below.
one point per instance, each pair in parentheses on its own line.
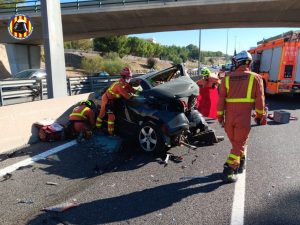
(19,91)
(35,5)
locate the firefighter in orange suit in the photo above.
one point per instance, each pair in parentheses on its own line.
(83,119)
(240,91)
(208,95)
(118,89)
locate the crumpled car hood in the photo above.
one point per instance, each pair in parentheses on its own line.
(179,87)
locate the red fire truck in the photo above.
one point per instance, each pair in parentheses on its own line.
(277,60)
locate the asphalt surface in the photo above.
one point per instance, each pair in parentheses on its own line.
(134,188)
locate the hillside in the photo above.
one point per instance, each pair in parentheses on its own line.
(73,63)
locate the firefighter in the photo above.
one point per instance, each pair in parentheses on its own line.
(82,120)
(207,80)
(240,91)
(118,89)
(208,95)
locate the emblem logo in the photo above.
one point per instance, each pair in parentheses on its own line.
(20,27)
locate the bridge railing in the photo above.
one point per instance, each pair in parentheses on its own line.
(35,5)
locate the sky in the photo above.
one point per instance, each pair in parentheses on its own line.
(216,39)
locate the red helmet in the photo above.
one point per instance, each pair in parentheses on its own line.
(126,73)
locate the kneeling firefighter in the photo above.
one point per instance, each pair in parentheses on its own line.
(240,91)
(118,89)
(82,119)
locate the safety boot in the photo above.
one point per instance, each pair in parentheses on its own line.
(241,168)
(229,175)
(80,137)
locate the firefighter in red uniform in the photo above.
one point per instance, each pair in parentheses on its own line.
(83,119)
(208,95)
(240,91)
(118,89)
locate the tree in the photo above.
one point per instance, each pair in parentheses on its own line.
(112,44)
(85,44)
(151,62)
(193,52)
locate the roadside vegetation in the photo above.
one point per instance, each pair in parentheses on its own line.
(110,54)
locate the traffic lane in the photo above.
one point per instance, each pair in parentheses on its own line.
(14,156)
(26,192)
(141,190)
(273,180)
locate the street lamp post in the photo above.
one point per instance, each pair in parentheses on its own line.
(199,58)
(226,57)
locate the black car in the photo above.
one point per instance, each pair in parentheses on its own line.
(163,115)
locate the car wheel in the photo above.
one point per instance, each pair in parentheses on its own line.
(150,138)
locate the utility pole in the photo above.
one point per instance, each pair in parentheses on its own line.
(199,58)
(226,56)
(234,45)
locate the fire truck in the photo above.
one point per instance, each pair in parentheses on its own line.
(277,60)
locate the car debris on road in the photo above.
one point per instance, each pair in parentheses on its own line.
(61,207)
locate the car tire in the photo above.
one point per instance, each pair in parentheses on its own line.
(150,138)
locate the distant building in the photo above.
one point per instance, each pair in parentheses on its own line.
(151,40)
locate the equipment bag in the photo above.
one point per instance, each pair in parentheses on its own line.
(53,132)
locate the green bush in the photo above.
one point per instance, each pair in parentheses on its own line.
(151,62)
(112,66)
(92,64)
(112,56)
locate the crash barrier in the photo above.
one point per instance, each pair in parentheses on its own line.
(20,91)
(17,121)
(35,5)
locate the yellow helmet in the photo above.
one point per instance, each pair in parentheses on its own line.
(205,72)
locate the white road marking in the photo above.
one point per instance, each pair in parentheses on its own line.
(237,214)
(35,158)
(238,206)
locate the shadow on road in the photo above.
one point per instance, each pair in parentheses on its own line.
(283,102)
(280,210)
(132,205)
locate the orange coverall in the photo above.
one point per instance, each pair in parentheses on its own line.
(117,90)
(208,97)
(83,118)
(240,91)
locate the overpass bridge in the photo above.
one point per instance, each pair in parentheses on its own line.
(99,18)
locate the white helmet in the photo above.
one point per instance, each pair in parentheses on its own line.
(242,56)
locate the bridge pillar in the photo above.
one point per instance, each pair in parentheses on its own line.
(54,48)
(22,57)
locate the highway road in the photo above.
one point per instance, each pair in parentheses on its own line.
(134,188)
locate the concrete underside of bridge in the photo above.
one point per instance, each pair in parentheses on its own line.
(155,17)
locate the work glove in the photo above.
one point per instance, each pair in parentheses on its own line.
(221,120)
(257,121)
(260,120)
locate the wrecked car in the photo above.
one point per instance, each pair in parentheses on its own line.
(163,115)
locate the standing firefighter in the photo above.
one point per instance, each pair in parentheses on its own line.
(82,119)
(118,89)
(208,95)
(240,91)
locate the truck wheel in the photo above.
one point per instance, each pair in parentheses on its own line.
(150,138)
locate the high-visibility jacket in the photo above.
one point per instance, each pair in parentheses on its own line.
(83,113)
(119,89)
(209,83)
(241,90)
